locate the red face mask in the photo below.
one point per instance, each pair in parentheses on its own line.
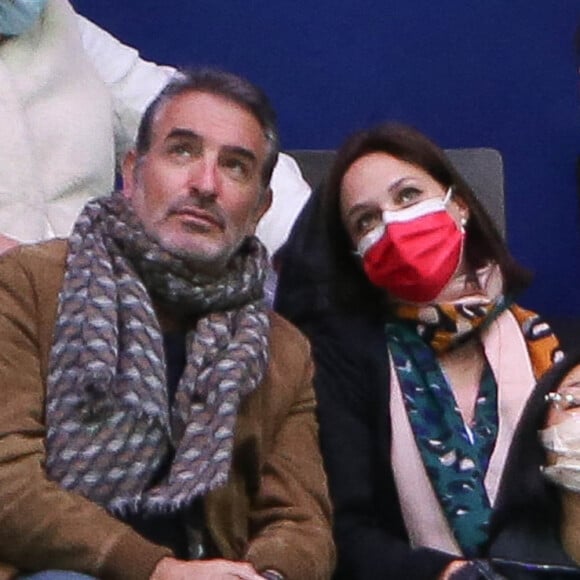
(415,254)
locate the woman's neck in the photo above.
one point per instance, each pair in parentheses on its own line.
(483,282)
(463,367)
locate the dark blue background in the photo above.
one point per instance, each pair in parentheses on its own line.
(497,73)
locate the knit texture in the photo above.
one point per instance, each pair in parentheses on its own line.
(110,430)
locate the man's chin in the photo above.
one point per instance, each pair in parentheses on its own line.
(189,247)
(199,251)
(208,260)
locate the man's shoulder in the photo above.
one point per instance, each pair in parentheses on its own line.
(290,369)
(41,263)
(52,250)
(287,336)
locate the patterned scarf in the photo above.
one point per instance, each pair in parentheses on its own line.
(110,431)
(456,457)
(447,324)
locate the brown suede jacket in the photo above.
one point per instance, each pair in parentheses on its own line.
(274,511)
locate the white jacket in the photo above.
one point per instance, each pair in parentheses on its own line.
(60,120)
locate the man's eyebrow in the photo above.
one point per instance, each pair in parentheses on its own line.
(241,151)
(177,132)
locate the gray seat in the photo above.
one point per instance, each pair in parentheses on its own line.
(481,167)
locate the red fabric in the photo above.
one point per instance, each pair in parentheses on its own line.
(414,260)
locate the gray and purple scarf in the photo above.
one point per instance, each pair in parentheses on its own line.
(110,428)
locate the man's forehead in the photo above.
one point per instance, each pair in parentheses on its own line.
(209,116)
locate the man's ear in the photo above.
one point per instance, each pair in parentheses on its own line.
(128,172)
(265,203)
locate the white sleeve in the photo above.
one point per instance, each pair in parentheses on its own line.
(290,191)
(133,82)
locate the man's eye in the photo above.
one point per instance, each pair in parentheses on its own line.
(181,150)
(237,167)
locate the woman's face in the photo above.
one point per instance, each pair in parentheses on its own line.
(378,182)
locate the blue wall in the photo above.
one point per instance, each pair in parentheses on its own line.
(499,73)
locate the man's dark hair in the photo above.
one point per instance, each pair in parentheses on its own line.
(483,241)
(222,84)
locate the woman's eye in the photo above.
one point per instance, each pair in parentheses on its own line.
(408,196)
(367,221)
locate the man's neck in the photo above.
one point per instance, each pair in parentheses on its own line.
(170,321)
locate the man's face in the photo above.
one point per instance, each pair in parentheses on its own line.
(198,189)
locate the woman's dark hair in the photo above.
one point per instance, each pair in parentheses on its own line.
(351,289)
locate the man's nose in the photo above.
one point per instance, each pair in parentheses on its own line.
(203,177)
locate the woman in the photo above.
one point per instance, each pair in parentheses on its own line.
(424,363)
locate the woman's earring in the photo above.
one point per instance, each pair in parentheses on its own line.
(463,221)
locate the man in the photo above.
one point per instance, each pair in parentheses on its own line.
(152,412)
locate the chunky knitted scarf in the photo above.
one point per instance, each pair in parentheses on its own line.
(110,429)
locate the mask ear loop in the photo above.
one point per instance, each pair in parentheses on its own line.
(448,194)
(370,239)
(463,221)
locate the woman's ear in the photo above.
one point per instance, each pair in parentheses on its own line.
(460,209)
